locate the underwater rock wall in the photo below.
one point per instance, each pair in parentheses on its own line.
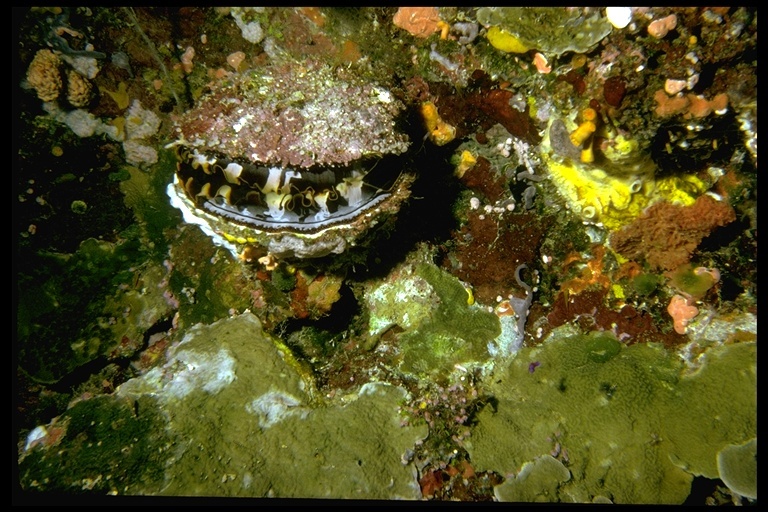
(440,253)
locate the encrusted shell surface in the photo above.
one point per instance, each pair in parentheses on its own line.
(295,115)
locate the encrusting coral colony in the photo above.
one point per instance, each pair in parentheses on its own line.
(438,253)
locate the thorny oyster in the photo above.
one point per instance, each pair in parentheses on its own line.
(298,158)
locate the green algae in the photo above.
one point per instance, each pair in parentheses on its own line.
(442,328)
(634,428)
(244,392)
(737,465)
(716,407)
(110,445)
(209,295)
(283,279)
(232,413)
(686,279)
(537,481)
(646,284)
(602,347)
(144,193)
(58,325)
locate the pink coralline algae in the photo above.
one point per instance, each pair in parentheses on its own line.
(682,312)
(661,27)
(419,21)
(295,115)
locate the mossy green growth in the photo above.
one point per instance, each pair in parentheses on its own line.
(79,207)
(454,333)
(633,428)
(646,284)
(311,342)
(61,299)
(602,347)
(108,447)
(206,280)
(246,421)
(283,279)
(145,194)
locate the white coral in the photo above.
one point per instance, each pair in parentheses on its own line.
(86,66)
(82,122)
(140,123)
(138,154)
(251,31)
